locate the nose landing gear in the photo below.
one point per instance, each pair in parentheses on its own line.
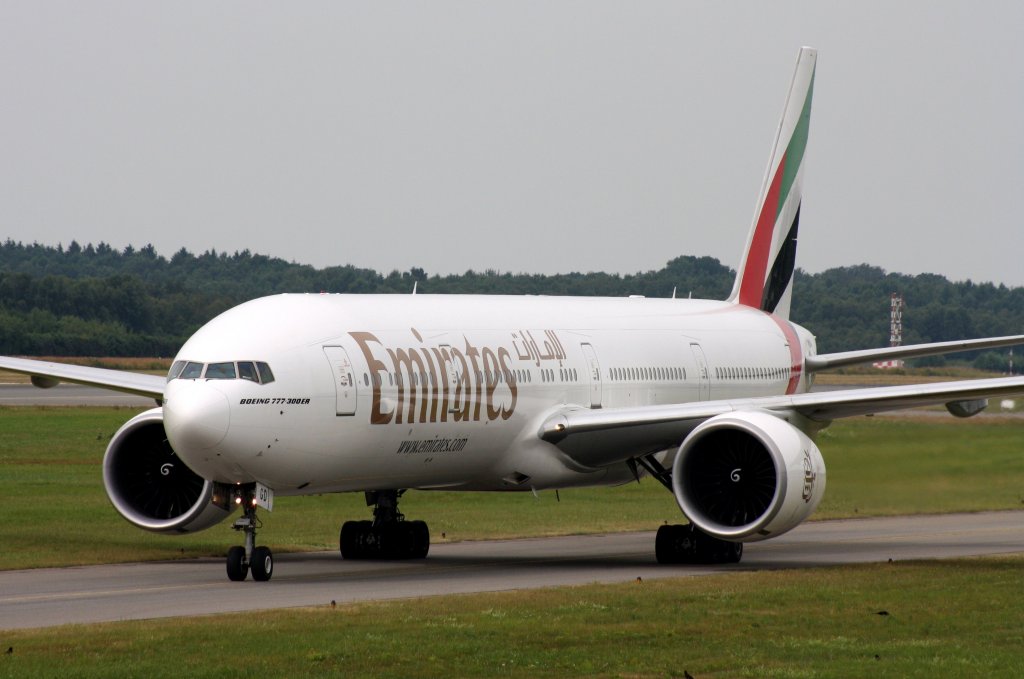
(388,536)
(250,557)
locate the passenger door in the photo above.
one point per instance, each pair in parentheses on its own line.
(703,377)
(594,368)
(344,379)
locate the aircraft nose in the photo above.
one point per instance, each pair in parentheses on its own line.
(196,416)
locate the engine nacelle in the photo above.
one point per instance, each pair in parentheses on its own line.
(747,476)
(151,487)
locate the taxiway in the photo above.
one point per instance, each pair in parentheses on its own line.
(46,597)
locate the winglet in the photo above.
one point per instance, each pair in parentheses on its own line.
(765,276)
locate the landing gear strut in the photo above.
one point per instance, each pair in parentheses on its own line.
(242,559)
(388,536)
(688,544)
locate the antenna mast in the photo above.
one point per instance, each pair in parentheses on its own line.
(895,329)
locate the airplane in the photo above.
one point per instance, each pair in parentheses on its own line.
(298,394)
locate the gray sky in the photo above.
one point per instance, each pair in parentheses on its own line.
(519,136)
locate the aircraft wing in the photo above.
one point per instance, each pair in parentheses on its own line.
(45,374)
(838,360)
(594,438)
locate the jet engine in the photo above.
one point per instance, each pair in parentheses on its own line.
(151,487)
(747,476)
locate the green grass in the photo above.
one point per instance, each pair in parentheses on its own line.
(905,465)
(958,618)
(56,512)
(950,618)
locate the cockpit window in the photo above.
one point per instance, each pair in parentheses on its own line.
(266,377)
(220,371)
(192,371)
(253,371)
(247,371)
(175,370)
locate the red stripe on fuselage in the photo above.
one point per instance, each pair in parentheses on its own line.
(796,353)
(756,266)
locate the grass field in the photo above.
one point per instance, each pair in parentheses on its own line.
(958,618)
(52,486)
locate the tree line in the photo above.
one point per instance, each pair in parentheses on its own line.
(102,301)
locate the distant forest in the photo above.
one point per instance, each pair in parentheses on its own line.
(100,301)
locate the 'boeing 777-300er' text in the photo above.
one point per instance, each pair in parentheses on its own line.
(324,393)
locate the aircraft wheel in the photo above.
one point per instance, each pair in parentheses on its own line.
(262,564)
(391,542)
(237,568)
(419,539)
(687,544)
(354,541)
(670,544)
(733,552)
(347,540)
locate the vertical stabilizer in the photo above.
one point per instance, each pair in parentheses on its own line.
(765,276)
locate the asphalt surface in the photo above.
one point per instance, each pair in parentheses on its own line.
(68,395)
(47,597)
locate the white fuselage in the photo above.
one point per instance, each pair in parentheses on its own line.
(437,391)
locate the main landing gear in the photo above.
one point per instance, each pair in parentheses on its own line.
(388,536)
(684,543)
(688,544)
(242,559)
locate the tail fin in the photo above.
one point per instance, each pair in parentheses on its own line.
(765,276)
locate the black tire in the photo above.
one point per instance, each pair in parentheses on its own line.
(671,545)
(236,566)
(419,539)
(348,540)
(711,550)
(262,564)
(390,541)
(722,551)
